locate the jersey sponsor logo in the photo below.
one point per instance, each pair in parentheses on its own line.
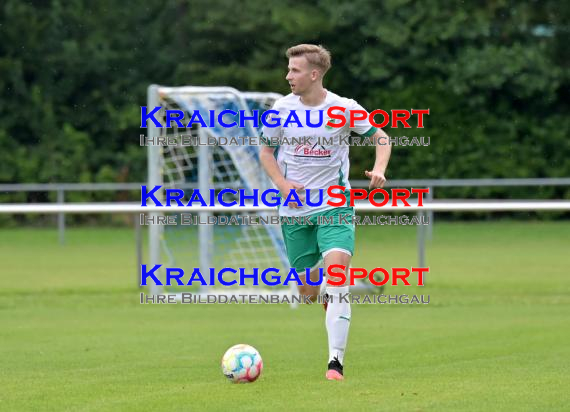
(315,150)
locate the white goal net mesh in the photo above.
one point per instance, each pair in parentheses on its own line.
(217,167)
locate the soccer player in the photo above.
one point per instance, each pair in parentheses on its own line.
(318,165)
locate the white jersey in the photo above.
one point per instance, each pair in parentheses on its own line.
(322,161)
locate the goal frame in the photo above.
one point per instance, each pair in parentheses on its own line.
(155,95)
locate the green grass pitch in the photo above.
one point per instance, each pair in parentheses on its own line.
(495,336)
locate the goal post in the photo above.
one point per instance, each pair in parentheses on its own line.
(154,179)
(210,166)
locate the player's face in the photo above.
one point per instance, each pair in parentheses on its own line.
(301,75)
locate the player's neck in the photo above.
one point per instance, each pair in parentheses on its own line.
(314,97)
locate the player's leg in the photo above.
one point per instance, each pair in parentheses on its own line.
(337,243)
(338,315)
(303,252)
(309,290)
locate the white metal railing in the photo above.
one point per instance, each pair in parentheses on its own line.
(62,188)
(467,205)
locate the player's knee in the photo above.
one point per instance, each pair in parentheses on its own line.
(310,291)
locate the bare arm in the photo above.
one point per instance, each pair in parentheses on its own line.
(269,163)
(376,176)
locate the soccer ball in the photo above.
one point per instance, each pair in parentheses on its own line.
(242,364)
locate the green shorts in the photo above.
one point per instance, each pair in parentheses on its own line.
(306,243)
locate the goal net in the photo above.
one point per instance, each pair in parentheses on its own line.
(204,167)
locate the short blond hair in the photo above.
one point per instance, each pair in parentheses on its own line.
(316,55)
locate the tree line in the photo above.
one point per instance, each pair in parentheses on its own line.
(495,76)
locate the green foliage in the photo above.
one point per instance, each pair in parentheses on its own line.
(495,76)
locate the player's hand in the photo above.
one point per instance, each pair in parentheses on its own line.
(286,188)
(377,179)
